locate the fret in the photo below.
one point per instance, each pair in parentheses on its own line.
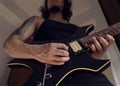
(87,40)
(117,30)
(113,31)
(106,32)
(110,32)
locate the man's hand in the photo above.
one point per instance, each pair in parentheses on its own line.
(51,53)
(100,45)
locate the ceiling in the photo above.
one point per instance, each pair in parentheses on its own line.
(15,11)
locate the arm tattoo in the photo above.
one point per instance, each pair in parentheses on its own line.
(22,29)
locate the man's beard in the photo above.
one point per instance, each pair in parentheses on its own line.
(54,9)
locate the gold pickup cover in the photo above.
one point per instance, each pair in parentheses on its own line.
(76,47)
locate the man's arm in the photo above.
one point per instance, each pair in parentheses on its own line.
(16,45)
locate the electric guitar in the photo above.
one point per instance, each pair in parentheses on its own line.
(50,75)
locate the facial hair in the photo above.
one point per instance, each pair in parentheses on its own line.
(54,9)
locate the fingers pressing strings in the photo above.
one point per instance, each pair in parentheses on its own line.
(101,43)
(109,39)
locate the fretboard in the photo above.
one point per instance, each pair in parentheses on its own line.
(112,30)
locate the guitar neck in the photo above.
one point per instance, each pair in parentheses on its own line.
(112,30)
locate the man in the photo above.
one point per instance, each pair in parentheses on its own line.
(53,25)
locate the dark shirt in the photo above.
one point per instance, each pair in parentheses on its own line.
(53,30)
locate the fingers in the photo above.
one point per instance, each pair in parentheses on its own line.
(55,54)
(58,49)
(96,47)
(104,44)
(61,59)
(109,38)
(60,52)
(59,56)
(100,44)
(58,46)
(54,60)
(93,48)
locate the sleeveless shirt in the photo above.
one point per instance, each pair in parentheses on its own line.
(53,30)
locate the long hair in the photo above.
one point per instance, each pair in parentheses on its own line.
(66,11)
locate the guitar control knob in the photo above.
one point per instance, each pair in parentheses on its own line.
(48,76)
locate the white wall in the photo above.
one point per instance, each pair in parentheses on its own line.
(14,12)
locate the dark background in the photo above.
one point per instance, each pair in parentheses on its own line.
(111,10)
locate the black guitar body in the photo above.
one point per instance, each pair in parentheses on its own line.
(56,75)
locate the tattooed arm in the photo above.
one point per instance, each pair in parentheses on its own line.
(16,45)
